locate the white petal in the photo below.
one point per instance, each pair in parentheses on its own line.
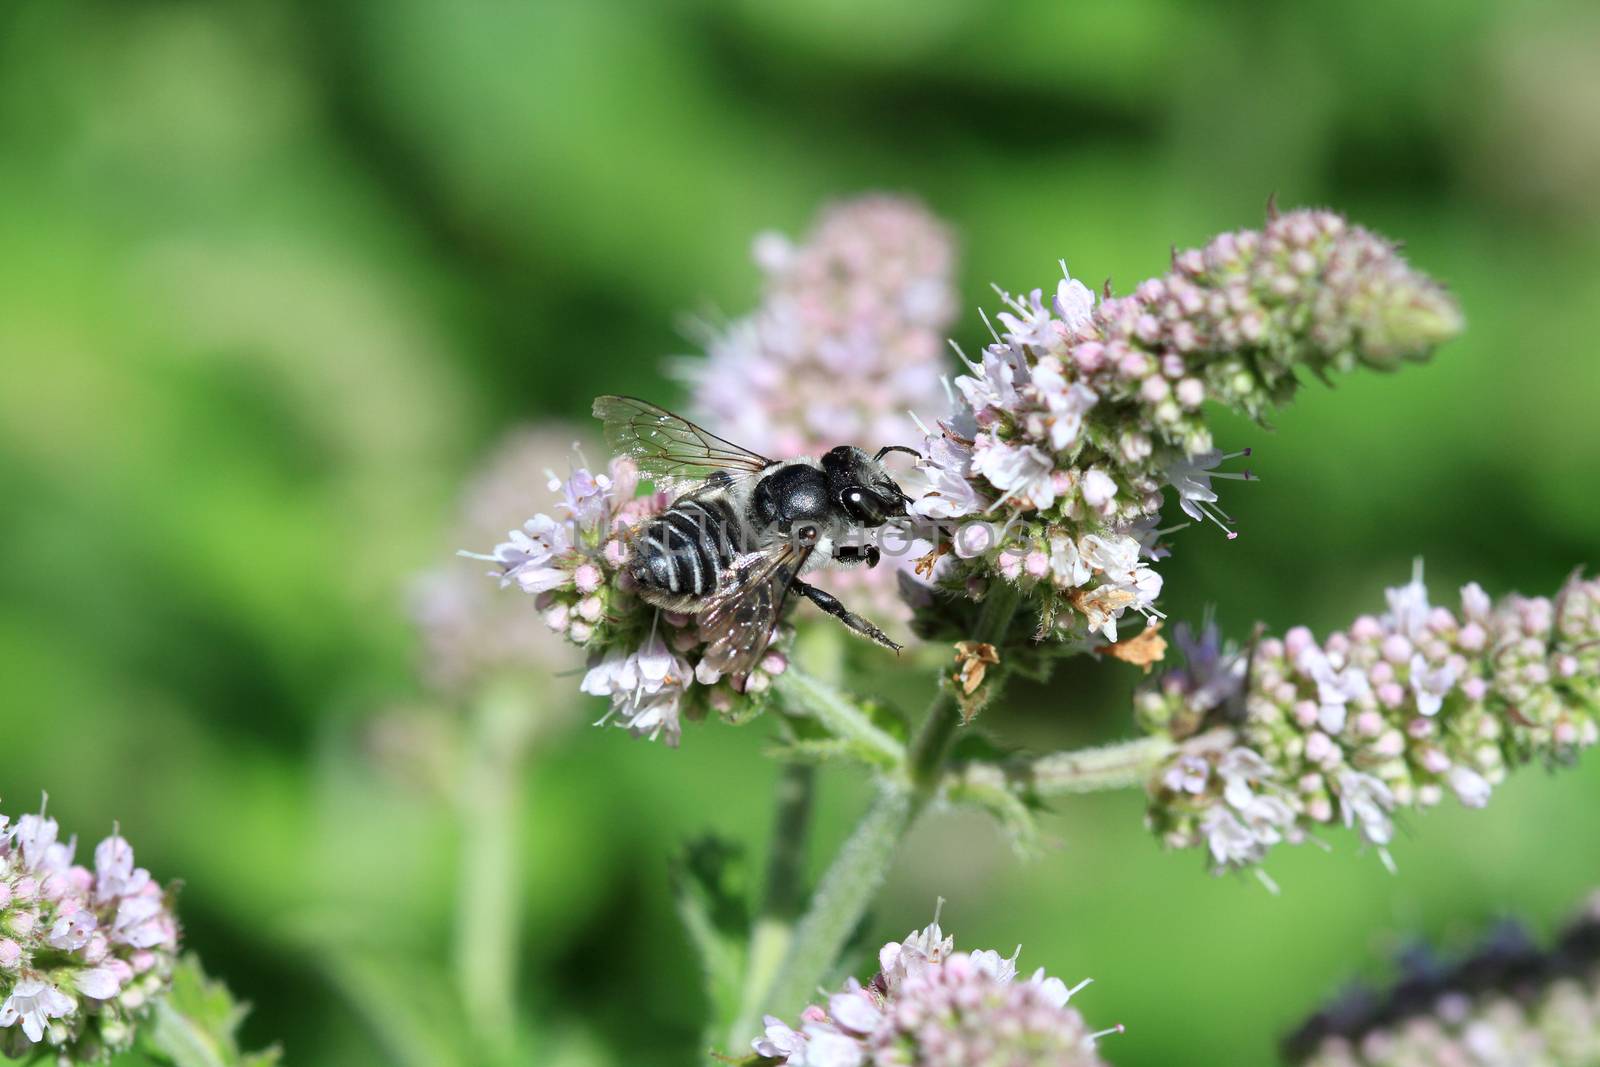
(826,1047)
(98,983)
(854,1011)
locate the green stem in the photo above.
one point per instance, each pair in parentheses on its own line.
(488,905)
(783,898)
(1091,770)
(841,718)
(785,893)
(1117,766)
(820,651)
(862,865)
(841,899)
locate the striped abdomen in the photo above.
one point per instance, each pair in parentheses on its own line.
(679,556)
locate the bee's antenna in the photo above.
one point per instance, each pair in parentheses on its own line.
(886,449)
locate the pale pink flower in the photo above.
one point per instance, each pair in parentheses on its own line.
(1394,713)
(1080,415)
(71,935)
(931,1006)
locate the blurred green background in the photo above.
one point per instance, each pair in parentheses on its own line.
(274,276)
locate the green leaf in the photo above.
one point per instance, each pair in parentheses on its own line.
(1010,807)
(975,746)
(711,888)
(196,1024)
(401,1002)
(890,720)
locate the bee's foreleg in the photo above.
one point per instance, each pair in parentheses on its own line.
(830,603)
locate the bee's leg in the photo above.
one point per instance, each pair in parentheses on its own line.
(830,603)
(851,555)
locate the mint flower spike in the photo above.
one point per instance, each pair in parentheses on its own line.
(848,336)
(847,340)
(1080,415)
(572,561)
(930,1006)
(83,953)
(1392,714)
(1505,1004)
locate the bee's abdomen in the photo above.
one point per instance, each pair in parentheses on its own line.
(683,551)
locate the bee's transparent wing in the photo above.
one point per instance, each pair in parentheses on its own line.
(738,619)
(669,446)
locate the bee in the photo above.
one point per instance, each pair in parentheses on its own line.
(733,545)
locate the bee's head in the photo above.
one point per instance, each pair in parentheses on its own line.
(862,487)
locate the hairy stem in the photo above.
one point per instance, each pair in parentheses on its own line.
(783,898)
(487,920)
(841,899)
(1122,765)
(812,696)
(862,865)
(784,895)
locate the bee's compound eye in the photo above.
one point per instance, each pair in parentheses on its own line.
(853,497)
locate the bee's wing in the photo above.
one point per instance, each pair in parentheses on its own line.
(738,619)
(669,446)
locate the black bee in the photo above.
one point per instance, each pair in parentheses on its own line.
(734,543)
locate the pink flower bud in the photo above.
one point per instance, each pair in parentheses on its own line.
(1366,628)
(1319,746)
(1296,642)
(1390,745)
(1089,356)
(616,552)
(1011,565)
(587,578)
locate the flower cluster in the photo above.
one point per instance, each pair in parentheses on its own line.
(82,953)
(1396,712)
(929,1006)
(1508,1004)
(847,341)
(1080,415)
(647,662)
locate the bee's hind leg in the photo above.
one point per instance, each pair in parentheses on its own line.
(830,603)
